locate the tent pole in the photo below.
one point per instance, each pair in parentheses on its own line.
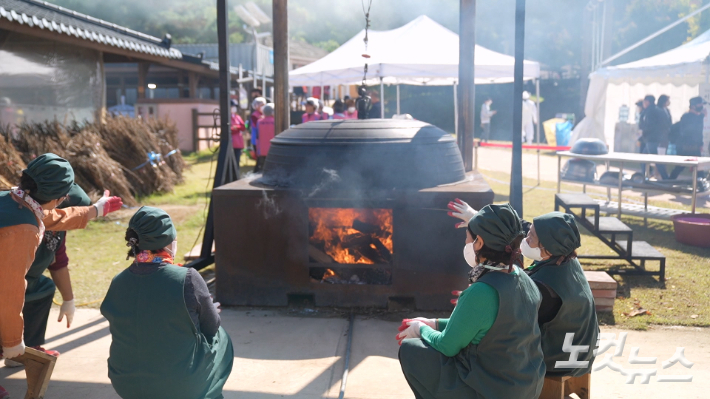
(537,98)
(382,98)
(516,169)
(456,111)
(398,99)
(466,117)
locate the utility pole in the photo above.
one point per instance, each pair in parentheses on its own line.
(516,170)
(466,83)
(225,141)
(281,62)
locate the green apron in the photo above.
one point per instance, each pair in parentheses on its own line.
(38,285)
(506,364)
(13,214)
(156,350)
(576,314)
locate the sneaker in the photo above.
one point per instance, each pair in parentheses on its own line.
(4,394)
(49,352)
(12,364)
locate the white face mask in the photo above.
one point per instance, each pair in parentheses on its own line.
(234,110)
(530,253)
(351,109)
(172,248)
(470,255)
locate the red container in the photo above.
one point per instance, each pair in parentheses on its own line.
(692,229)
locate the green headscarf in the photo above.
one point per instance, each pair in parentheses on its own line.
(54,176)
(77,197)
(558,233)
(498,225)
(154,228)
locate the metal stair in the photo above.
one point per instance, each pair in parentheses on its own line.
(608,230)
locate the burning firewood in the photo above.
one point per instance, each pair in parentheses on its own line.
(319,256)
(382,249)
(366,228)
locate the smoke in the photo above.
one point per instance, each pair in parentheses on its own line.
(330,176)
(268,206)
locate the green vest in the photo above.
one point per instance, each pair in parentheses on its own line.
(576,314)
(38,285)
(156,351)
(508,362)
(13,214)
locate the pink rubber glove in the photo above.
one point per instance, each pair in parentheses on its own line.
(461,210)
(107,204)
(412,331)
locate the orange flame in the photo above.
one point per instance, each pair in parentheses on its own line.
(334,226)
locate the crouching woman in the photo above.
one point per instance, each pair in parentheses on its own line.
(490,346)
(567,305)
(167,339)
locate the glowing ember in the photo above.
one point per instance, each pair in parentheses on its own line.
(347,235)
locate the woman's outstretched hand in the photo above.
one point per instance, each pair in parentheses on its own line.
(456,295)
(461,210)
(107,204)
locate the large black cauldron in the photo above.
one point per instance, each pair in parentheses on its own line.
(372,154)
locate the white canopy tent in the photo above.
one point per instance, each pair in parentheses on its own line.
(421,52)
(678,73)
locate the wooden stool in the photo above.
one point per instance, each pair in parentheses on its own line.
(559,387)
(38,368)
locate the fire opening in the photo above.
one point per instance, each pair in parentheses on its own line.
(350,236)
(347,275)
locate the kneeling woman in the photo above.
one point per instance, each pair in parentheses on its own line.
(167,342)
(490,346)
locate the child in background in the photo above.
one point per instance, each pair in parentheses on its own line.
(265,127)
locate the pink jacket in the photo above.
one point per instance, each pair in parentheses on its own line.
(237,131)
(266,133)
(310,117)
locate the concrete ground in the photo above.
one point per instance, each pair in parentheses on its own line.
(278,355)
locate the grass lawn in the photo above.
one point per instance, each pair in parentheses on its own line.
(99,252)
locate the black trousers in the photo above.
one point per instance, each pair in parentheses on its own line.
(36,314)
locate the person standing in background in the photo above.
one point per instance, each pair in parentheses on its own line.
(486,115)
(664,102)
(351,111)
(654,127)
(529,118)
(256,114)
(237,127)
(266,134)
(311,114)
(339,110)
(376,107)
(690,141)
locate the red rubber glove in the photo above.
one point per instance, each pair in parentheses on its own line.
(457,294)
(107,204)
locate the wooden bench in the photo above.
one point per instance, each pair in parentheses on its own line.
(38,368)
(560,387)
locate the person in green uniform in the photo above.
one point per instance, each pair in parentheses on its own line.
(166,337)
(490,346)
(39,293)
(567,303)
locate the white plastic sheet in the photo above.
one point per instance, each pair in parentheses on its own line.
(43,80)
